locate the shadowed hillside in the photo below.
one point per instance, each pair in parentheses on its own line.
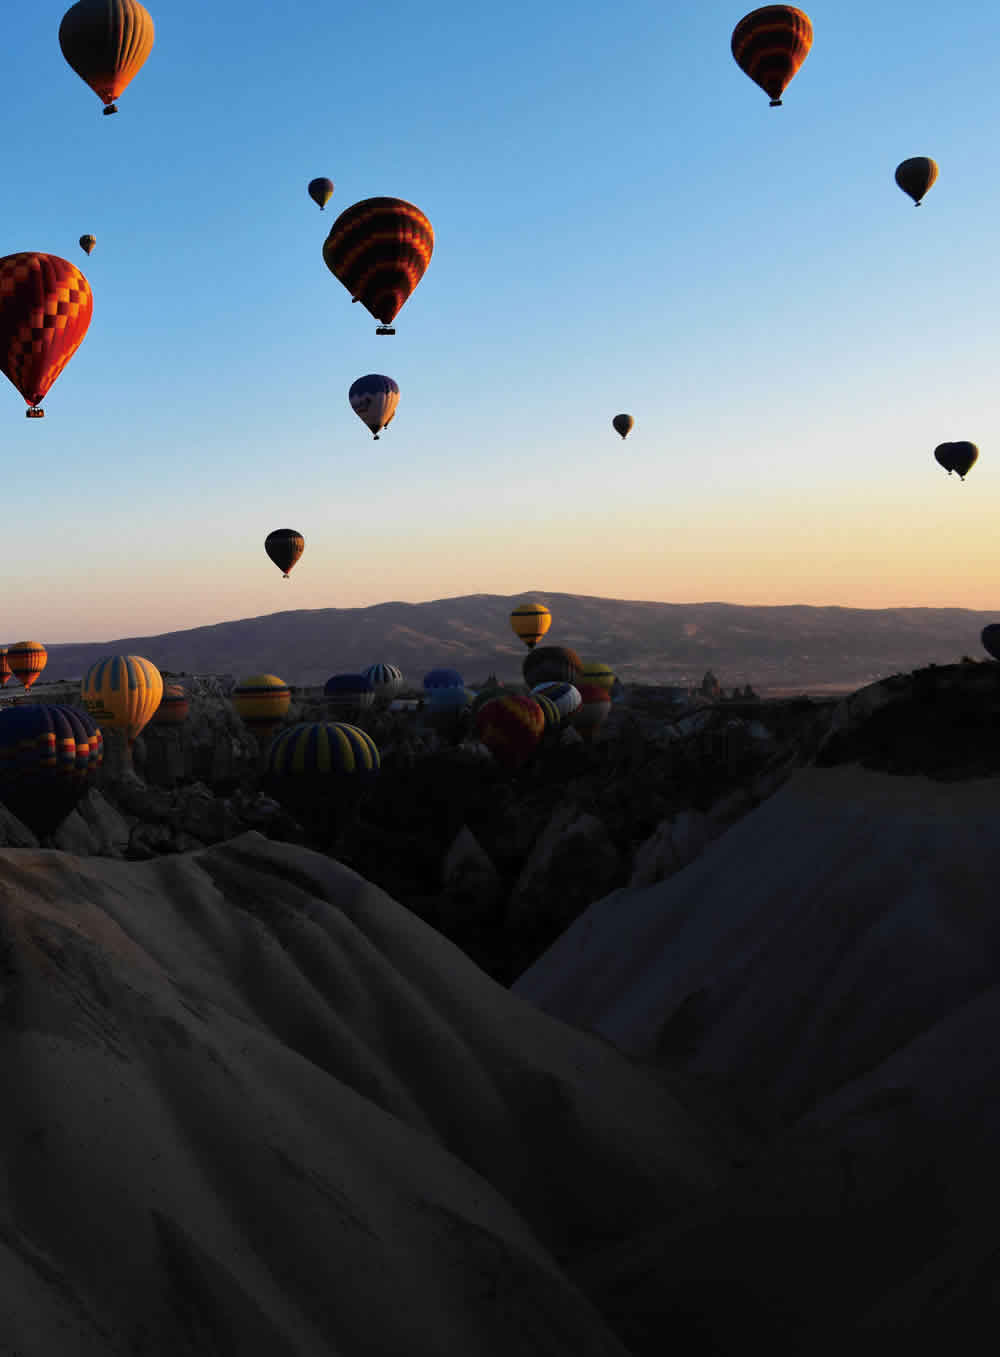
(776,649)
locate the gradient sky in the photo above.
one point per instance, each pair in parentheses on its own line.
(622,224)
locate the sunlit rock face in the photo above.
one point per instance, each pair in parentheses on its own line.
(252,1105)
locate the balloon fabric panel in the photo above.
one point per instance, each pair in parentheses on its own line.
(45,309)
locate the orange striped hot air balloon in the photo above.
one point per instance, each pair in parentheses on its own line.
(6,673)
(45,309)
(379,249)
(770,45)
(27,660)
(106,42)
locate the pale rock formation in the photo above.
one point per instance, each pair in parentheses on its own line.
(673,844)
(573,861)
(472,885)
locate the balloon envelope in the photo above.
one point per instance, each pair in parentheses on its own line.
(87,244)
(284,546)
(564,696)
(594,709)
(770,44)
(510,728)
(443,678)
(321,191)
(623,424)
(530,622)
(601,675)
(49,756)
(379,249)
(45,310)
(261,702)
(122,692)
(991,640)
(959,457)
(174,708)
(106,42)
(374,399)
(6,673)
(916,176)
(27,659)
(386,679)
(551,664)
(349,692)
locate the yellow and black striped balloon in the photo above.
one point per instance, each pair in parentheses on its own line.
(122,692)
(261,702)
(323,749)
(770,44)
(530,622)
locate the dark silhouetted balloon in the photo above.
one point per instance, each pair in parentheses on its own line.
(374,399)
(45,309)
(321,191)
(87,244)
(387,679)
(623,424)
(770,45)
(379,249)
(320,770)
(284,546)
(349,693)
(106,42)
(510,728)
(916,175)
(958,457)
(48,758)
(443,678)
(530,622)
(991,640)
(551,664)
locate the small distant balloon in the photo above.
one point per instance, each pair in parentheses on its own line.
(87,244)
(770,45)
(321,191)
(991,640)
(284,546)
(916,176)
(623,424)
(374,399)
(958,457)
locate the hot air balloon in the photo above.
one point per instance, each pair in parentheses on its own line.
(49,756)
(122,692)
(284,546)
(916,176)
(510,728)
(349,693)
(87,244)
(374,399)
(530,622)
(6,673)
(623,424)
(959,457)
(45,309)
(174,708)
(386,679)
(320,770)
(549,710)
(565,697)
(27,659)
(443,678)
(261,702)
(601,675)
(106,42)
(991,640)
(321,191)
(551,664)
(594,709)
(770,45)
(379,249)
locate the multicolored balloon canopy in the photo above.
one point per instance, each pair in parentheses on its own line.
(374,399)
(27,660)
(122,692)
(49,756)
(45,310)
(511,728)
(261,701)
(770,44)
(379,249)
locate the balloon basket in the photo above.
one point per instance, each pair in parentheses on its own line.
(385,330)
(111,108)
(34,412)
(775,103)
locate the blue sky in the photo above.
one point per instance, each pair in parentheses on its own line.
(622,224)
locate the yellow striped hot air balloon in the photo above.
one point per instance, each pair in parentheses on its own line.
(600,675)
(27,660)
(261,702)
(530,622)
(122,692)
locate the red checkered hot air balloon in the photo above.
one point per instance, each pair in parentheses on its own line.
(45,309)
(379,249)
(770,45)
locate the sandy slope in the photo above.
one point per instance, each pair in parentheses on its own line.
(250,1104)
(834,962)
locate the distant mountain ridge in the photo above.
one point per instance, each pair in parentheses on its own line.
(773,648)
